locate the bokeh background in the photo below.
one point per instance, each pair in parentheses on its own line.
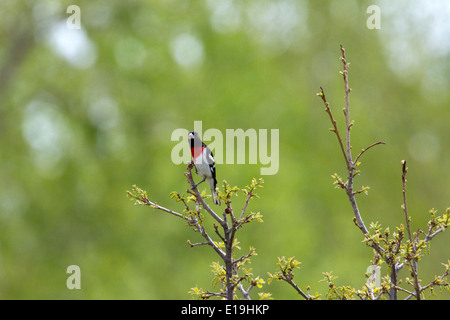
(86,113)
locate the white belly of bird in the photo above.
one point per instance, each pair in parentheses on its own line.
(202,166)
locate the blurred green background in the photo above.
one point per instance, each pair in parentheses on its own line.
(86,113)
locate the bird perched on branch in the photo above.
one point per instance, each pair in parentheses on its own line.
(203,160)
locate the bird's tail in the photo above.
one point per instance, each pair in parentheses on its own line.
(212,184)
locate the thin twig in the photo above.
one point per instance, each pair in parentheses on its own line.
(147,202)
(244,257)
(297,288)
(431,236)
(364,150)
(198,244)
(249,195)
(404,207)
(437,283)
(210,242)
(412,294)
(216,228)
(413,261)
(335,128)
(347,108)
(192,222)
(209,294)
(350,164)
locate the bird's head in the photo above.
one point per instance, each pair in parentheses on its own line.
(194,139)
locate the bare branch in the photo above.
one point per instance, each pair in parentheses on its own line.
(411,294)
(208,294)
(438,281)
(432,235)
(348,187)
(216,229)
(297,288)
(197,244)
(347,107)
(413,261)
(147,202)
(211,242)
(245,293)
(244,257)
(364,150)
(404,206)
(333,122)
(249,195)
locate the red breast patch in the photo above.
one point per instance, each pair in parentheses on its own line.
(196,152)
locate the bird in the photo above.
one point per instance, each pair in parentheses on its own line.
(203,160)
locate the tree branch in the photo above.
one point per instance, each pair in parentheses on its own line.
(413,261)
(347,109)
(364,150)
(245,293)
(154,205)
(297,288)
(387,249)
(333,122)
(348,187)
(198,196)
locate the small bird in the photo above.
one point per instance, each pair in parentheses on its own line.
(203,161)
